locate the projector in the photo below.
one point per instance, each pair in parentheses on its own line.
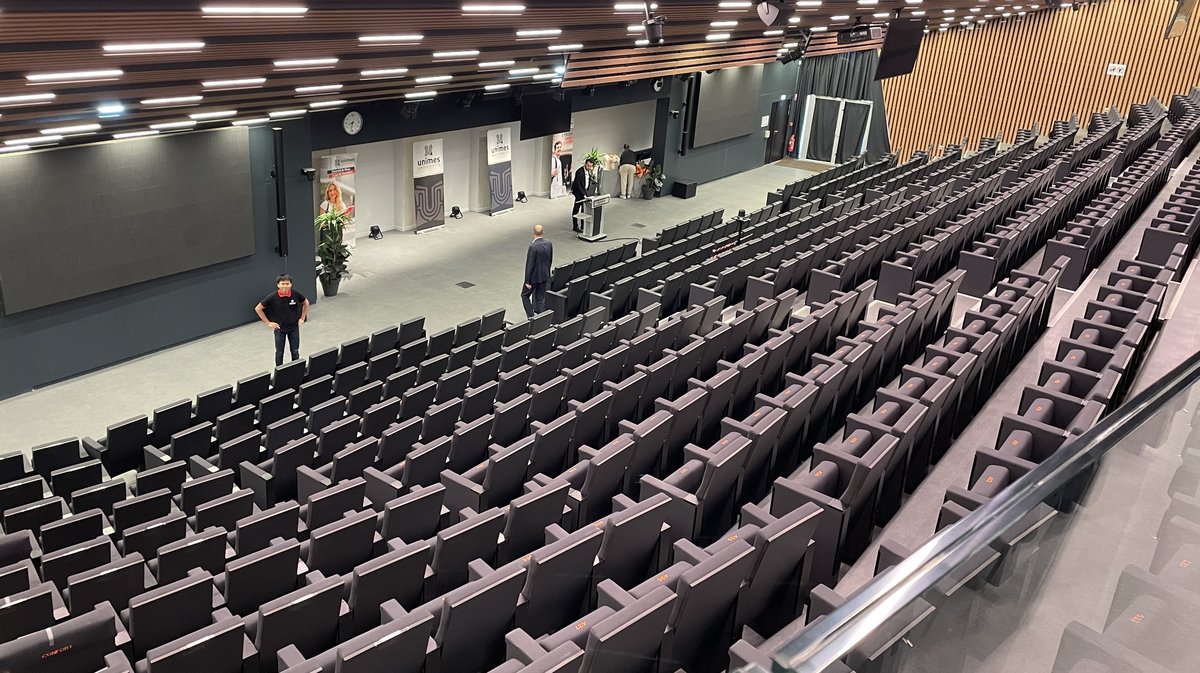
(860,34)
(654,29)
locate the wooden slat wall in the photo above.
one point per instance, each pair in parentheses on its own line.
(1008,74)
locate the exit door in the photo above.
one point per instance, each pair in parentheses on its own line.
(781,114)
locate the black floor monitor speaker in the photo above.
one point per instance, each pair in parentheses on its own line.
(684,189)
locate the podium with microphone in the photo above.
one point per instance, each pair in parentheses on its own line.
(591,220)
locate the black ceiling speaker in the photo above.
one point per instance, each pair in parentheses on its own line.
(654,29)
(774,12)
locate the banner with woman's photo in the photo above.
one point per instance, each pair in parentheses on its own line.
(499,163)
(337,188)
(429,186)
(561,145)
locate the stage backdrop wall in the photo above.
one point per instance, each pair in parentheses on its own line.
(384,176)
(724,158)
(52,343)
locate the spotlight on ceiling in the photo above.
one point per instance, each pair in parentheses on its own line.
(797,52)
(653,26)
(409,110)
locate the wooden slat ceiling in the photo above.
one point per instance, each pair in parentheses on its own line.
(49,36)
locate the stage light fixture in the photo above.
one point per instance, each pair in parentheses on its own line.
(456,212)
(376,234)
(409,110)
(521,198)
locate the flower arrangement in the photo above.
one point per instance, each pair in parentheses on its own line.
(642,168)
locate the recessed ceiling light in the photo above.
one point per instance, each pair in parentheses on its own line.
(461,53)
(522,72)
(943,29)
(733,5)
(281,114)
(976,10)
(840,17)
(574,46)
(794,20)
(947,11)
(319,88)
(167,126)
(321,104)
(299,63)
(382,73)
(868,2)
(919,12)
(154,47)
(635,29)
(242,83)
(495,64)
(390,39)
(110,109)
(633,6)
(76,75)
(219,114)
(808,3)
(433,79)
(881,15)
(641,43)
(545,76)
(417,95)
(539,32)
(134,134)
(723,24)
(772,33)
(26,99)
(480,8)
(819,29)
(251,122)
(496,87)
(14,148)
(173,100)
(716,37)
(68,130)
(254,10)
(36,140)
(790,45)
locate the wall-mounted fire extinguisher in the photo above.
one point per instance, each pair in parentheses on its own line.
(791,143)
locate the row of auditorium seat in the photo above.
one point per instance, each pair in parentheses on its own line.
(857,163)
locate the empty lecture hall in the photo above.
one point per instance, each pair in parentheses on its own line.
(779,336)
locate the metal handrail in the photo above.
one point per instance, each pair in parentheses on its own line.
(834,636)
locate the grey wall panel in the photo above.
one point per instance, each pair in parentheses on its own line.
(52,343)
(98,217)
(724,110)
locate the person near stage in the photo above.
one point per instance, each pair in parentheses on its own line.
(579,188)
(556,171)
(538,259)
(627,170)
(284,311)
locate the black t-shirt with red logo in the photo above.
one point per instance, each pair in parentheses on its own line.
(284,310)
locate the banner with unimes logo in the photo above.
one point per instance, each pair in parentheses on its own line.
(429,186)
(499,160)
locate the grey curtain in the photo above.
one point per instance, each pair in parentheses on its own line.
(824,127)
(849,75)
(854,125)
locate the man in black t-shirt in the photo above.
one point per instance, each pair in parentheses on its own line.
(284,311)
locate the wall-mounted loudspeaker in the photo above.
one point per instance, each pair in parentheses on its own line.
(774,12)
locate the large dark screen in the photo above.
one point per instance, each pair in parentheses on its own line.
(728,106)
(901,44)
(541,116)
(98,217)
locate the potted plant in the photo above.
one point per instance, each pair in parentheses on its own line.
(597,158)
(332,253)
(654,181)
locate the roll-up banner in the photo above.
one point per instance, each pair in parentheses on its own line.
(561,145)
(499,160)
(429,186)
(337,189)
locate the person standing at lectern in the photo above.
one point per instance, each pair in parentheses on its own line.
(537,273)
(284,311)
(579,188)
(627,170)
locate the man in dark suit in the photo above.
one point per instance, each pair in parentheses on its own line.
(537,273)
(579,188)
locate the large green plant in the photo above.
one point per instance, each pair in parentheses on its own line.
(332,254)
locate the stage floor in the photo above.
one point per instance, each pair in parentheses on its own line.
(396,278)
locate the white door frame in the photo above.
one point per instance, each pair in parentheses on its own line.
(806,126)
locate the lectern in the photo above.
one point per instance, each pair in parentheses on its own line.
(590,219)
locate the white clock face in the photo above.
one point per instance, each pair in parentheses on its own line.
(352,123)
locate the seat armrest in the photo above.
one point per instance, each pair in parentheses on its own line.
(199,467)
(477,569)
(308,482)
(522,647)
(755,515)
(390,611)
(255,479)
(610,595)
(289,656)
(153,457)
(686,550)
(461,492)
(381,488)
